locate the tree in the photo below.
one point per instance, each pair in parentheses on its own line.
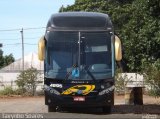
(5,60)
(136,22)
(1,59)
(28,80)
(8,59)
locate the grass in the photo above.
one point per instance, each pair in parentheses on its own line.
(7,91)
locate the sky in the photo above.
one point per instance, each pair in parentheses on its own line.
(32,16)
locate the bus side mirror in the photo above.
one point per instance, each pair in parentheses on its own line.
(118,49)
(41,49)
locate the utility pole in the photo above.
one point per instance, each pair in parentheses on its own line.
(22,50)
(62,8)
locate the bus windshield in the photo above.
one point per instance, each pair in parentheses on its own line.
(78,55)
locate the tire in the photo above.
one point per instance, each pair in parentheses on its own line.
(107,109)
(51,108)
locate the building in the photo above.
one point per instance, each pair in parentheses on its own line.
(9,74)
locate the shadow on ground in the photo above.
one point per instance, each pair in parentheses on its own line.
(137,109)
(118,109)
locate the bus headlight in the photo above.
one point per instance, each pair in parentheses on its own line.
(106,85)
(106,90)
(51,90)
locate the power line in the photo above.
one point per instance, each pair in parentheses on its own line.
(30,44)
(20,44)
(12,44)
(6,30)
(9,39)
(34,28)
(10,30)
(20,38)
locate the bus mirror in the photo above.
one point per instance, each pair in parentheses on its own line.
(118,49)
(41,49)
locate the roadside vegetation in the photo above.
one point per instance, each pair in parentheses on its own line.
(27,83)
(152,77)
(5,60)
(7,91)
(119,83)
(28,80)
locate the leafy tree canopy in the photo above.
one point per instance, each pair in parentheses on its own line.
(5,60)
(136,22)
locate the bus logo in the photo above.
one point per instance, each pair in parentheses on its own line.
(79,89)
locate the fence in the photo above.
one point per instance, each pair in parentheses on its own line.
(13,85)
(8,78)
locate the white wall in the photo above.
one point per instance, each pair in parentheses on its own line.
(133,79)
(8,79)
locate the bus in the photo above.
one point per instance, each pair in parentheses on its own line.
(79,50)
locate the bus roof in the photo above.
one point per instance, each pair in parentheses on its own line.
(79,21)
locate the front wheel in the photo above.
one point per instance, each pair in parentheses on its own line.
(51,108)
(107,109)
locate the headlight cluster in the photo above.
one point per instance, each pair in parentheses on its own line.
(106,88)
(106,85)
(51,90)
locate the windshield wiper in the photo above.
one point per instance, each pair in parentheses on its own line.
(86,68)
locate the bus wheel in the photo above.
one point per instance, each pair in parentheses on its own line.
(52,108)
(107,109)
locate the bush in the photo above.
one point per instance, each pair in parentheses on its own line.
(7,91)
(152,77)
(40,93)
(154,92)
(19,91)
(28,80)
(119,82)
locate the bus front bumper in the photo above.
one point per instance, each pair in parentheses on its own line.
(87,101)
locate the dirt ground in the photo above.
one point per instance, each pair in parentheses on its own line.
(20,104)
(119,99)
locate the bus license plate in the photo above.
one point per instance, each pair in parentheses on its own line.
(79,98)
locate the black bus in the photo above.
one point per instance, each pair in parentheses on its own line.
(79,50)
